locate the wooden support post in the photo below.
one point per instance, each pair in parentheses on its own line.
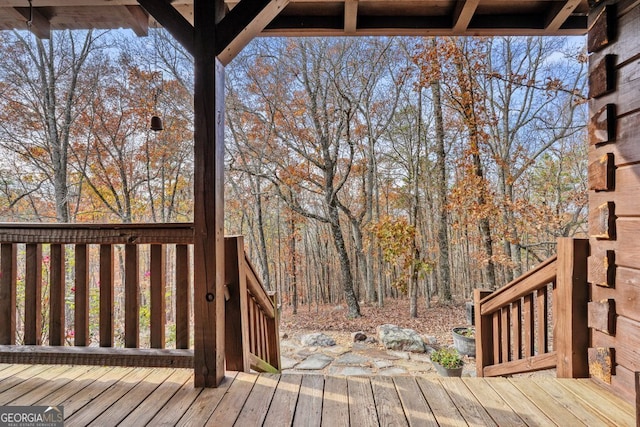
(56,295)
(81,312)
(158,288)
(571,331)
(236,310)
(273,334)
(484,334)
(208,197)
(8,283)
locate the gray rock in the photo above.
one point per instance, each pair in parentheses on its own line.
(398,354)
(315,362)
(393,371)
(371,340)
(317,339)
(381,364)
(351,359)
(395,338)
(350,370)
(287,362)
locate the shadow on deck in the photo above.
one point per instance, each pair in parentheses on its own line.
(106,396)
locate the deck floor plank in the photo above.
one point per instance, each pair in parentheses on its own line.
(75,386)
(255,408)
(157,399)
(593,398)
(572,402)
(206,402)
(335,405)
(31,384)
(132,399)
(177,406)
(49,389)
(19,377)
(387,402)
(527,410)
(309,407)
(554,410)
(362,406)
(283,404)
(491,401)
(101,402)
(228,410)
(415,407)
(466,402)
(443,408)
(108,396)
(82,397)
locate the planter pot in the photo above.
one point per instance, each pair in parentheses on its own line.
(447,372)
(465,345)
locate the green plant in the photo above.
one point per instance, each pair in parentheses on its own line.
(448,357)
(466,332)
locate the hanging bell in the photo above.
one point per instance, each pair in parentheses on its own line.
(156,124)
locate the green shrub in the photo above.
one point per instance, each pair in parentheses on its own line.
(448,357)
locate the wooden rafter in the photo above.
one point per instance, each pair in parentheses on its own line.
(242,24)
(139,20)
(464,11)
(172,21)
(40,24)
(559,14)
(350,16)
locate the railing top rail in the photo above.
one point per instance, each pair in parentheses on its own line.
(254,285)
(528,282)
(181,233)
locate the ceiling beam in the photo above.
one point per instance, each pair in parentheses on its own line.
(559,13)
(464,11)
(40,24)
(172,21)
(242,24)
(350,16)
(139,20)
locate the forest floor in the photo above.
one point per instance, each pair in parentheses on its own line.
(436,321)
(434,324)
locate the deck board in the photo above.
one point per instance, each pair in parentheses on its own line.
(109,396)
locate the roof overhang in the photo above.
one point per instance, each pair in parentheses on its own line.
(246,19)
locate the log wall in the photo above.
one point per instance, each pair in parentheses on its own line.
(614,196)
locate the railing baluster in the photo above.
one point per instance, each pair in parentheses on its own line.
(56,295)
(273,335)
(183,296)
(506,333)
(131,296)
(158,285)
(542,326)
(516,318)
(81,298)
(497,338)
(8,284)
(263,335)
(106,295)
(33,295)
(529,335)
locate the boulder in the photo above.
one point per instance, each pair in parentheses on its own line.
(396,338)
(317,339)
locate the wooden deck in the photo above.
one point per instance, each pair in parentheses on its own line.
(103,396)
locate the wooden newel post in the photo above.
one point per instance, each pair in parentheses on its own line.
(208,216)
(236,314)
(571,333)
(484,334)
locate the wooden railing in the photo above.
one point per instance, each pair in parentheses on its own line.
(59,271)
(538,321)
(252,336)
